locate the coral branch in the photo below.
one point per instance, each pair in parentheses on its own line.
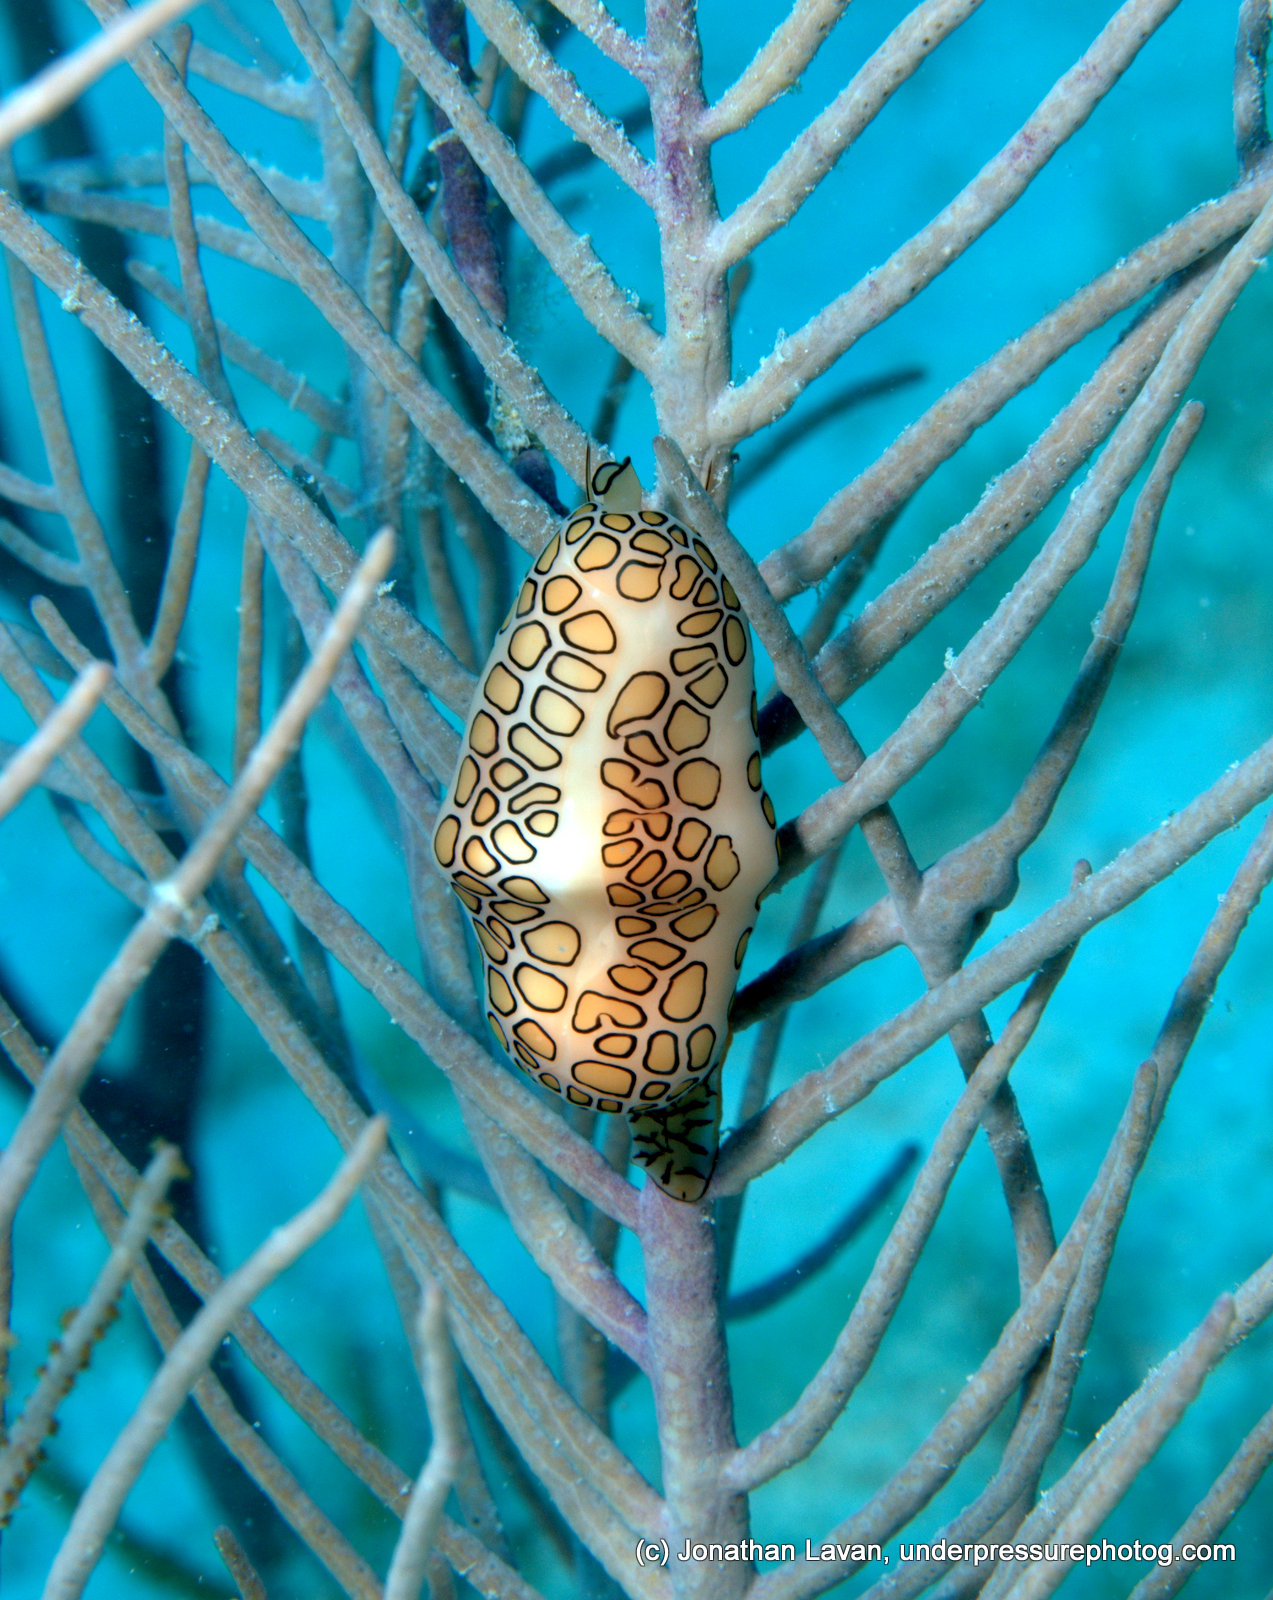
(25,767)
(96,1513)
(775,68)
(523,50)
(797,1112)
(802,356)
(570,255)
(797,174)
(44,96)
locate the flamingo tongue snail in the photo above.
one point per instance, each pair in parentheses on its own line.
(607,830)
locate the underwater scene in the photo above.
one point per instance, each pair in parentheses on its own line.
(636,745)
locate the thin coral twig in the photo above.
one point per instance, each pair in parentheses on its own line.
(523,50)
(246,1578)
(775,68)
(435,561)
(50,566)
(275,93)
(26,766)
(249,647)
(409,1564)
(23,491)
(194,290)
(174,597)
(40,100)
(108,867)
(596,23)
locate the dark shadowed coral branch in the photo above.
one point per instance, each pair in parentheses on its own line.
(570,255)
(772,1291)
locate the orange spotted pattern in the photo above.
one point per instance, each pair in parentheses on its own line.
(606,829)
